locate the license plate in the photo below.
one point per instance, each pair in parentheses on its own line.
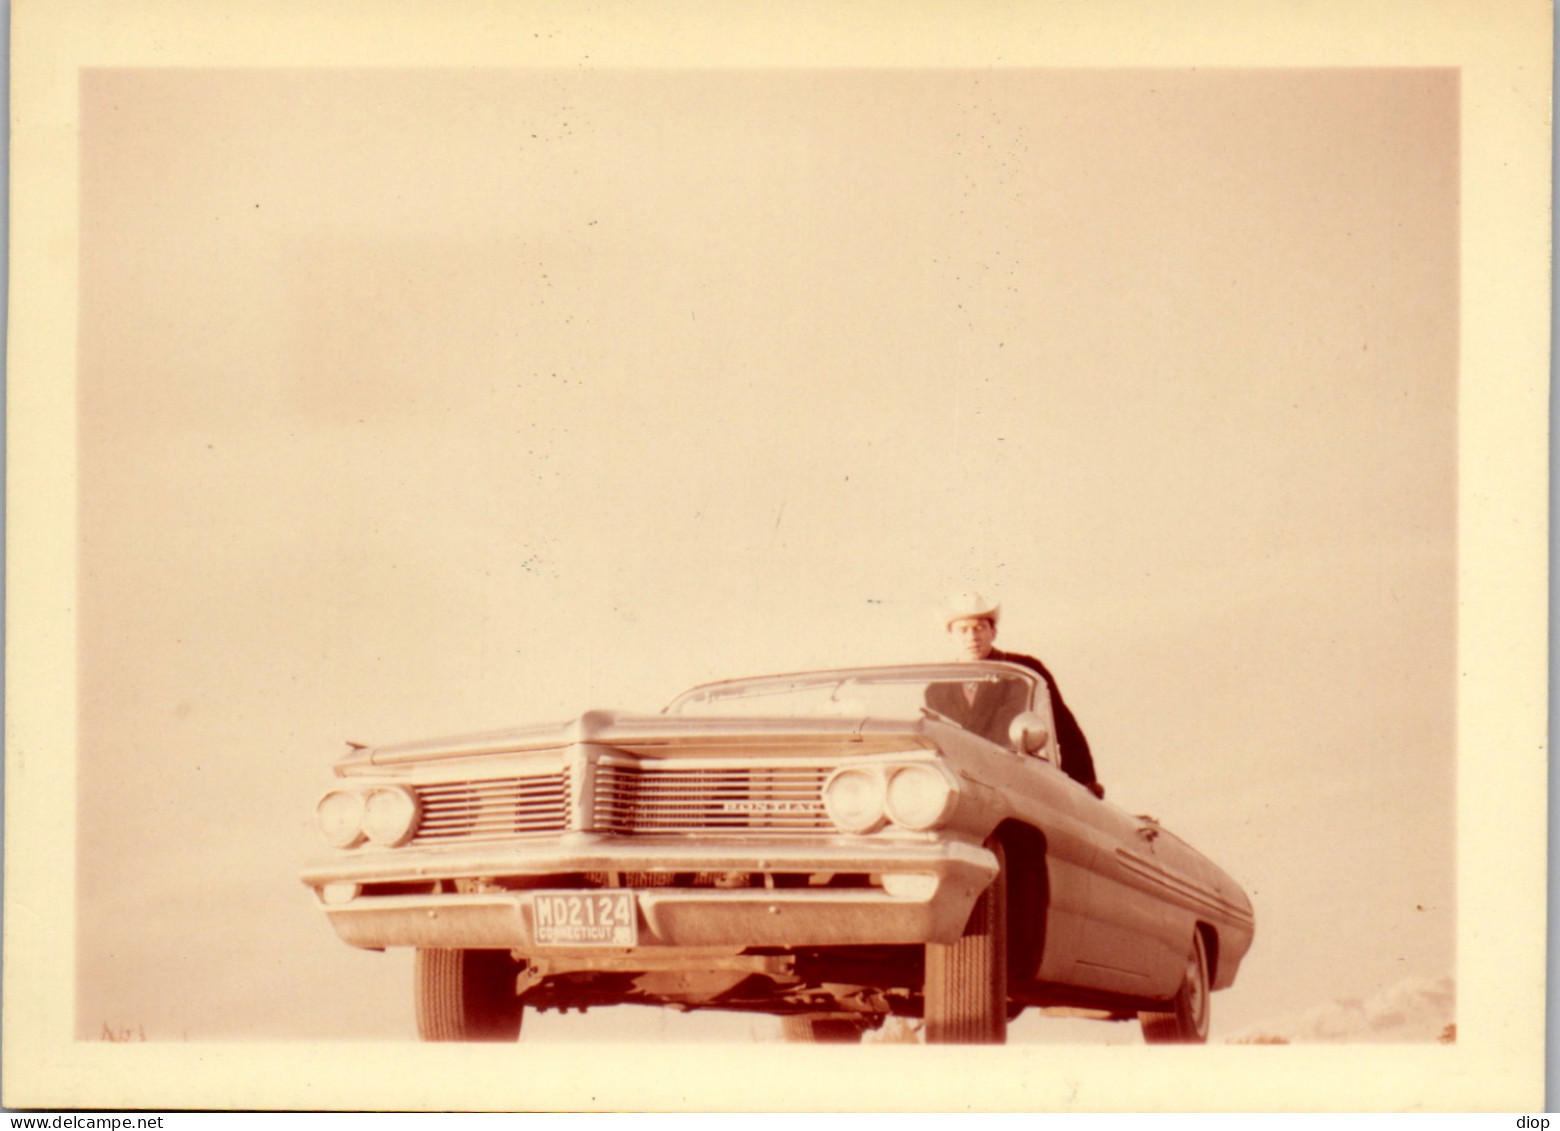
(585,918)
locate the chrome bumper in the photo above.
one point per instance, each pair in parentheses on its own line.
(951,874)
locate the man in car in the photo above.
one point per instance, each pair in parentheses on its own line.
(988,708)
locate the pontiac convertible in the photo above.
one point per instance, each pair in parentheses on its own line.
(825,847)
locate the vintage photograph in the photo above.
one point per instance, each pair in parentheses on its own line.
(425,403)
(734,556)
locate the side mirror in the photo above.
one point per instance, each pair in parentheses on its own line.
(1028,734)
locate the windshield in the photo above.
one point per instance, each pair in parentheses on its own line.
(959,691)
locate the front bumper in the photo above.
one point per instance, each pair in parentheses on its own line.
(949,877)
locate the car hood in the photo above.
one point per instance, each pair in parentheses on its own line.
(667,734)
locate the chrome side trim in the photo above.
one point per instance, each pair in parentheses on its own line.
(1184,891)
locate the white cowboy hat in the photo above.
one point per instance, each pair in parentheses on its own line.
(964,605)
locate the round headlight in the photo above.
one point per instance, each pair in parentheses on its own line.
(854,800)
(919,797)
(389,816)
(340,815)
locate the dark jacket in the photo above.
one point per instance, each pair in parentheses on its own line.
(996,704)
(1077,760)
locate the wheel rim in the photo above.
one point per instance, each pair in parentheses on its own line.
(1197,988)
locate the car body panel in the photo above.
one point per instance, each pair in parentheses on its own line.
(715,821)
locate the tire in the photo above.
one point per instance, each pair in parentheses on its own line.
(801,1029)
(467,995)
(965,995)
(1187,1021)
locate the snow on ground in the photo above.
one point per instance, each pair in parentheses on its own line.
(1415,1009)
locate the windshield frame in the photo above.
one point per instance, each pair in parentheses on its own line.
(951,672)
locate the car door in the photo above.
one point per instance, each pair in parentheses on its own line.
(1134,930)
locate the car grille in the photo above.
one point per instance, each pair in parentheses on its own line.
(495,809)
(659,799)
(628,800)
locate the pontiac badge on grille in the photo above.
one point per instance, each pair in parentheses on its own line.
(765,808)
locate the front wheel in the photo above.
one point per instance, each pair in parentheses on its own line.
(966,982)
(1187,1021)
(467,995)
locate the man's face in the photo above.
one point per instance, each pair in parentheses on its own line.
(972,637)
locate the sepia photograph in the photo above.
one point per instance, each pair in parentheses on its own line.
(562,544)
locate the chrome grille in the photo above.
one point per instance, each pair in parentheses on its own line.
(492,809)
(662,799)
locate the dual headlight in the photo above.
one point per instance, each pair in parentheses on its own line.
(386,816)
(861,799)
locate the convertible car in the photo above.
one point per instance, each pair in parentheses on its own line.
(828,847)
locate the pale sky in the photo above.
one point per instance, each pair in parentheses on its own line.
(416,402)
